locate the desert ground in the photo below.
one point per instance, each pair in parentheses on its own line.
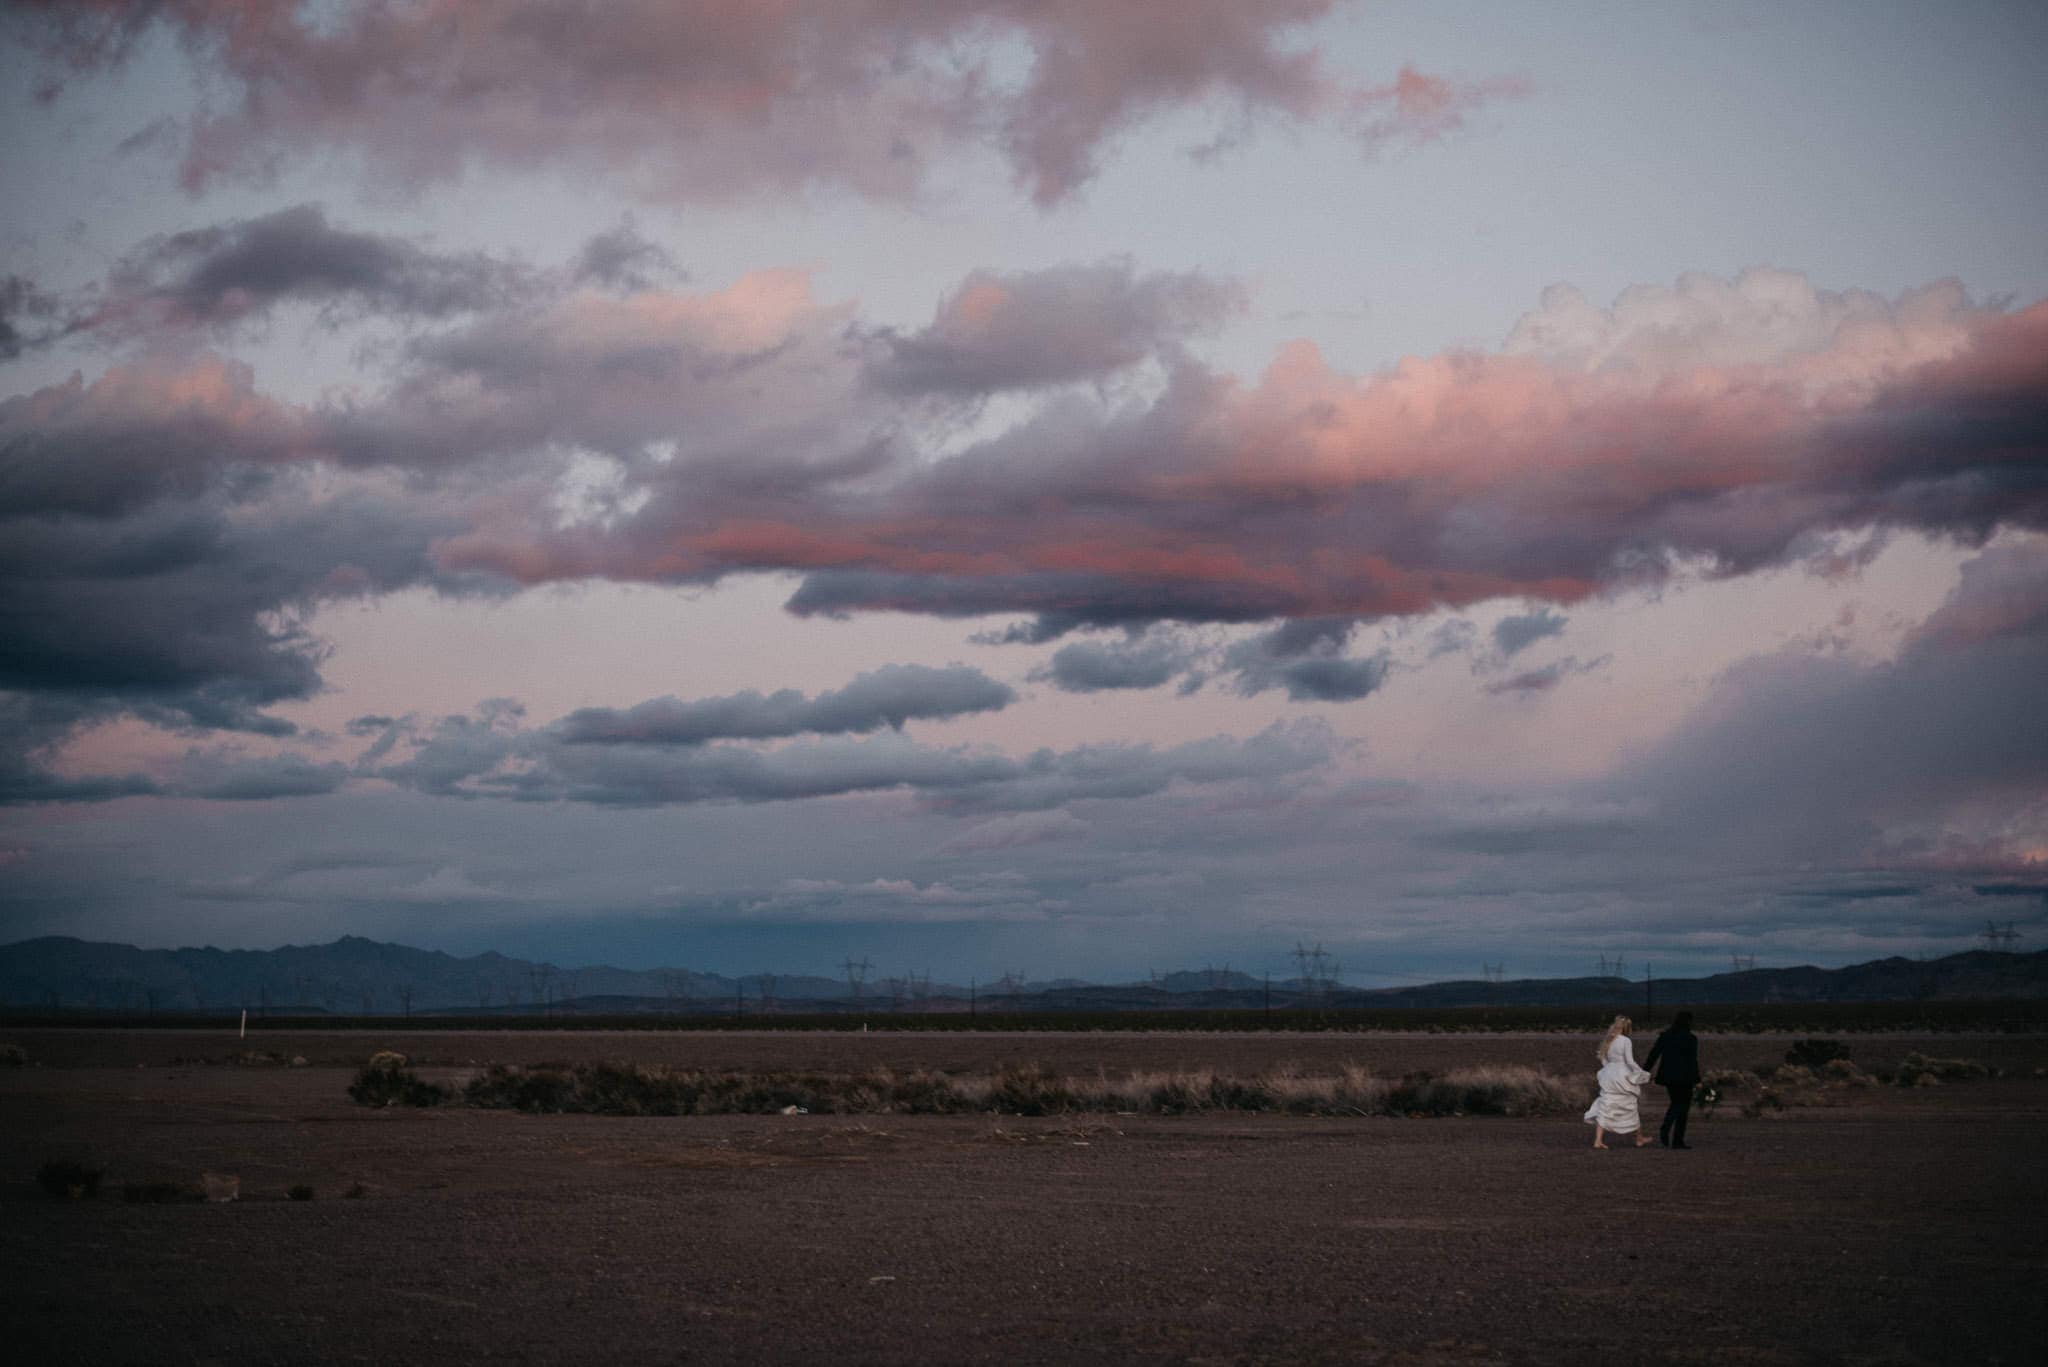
(1875,1225)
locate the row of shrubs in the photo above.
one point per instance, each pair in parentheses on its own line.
(75,1181)
(1915,1070)
(634,1089)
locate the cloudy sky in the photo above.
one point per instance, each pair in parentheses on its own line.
(1026,485)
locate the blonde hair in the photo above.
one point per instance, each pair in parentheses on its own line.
(1622,1025)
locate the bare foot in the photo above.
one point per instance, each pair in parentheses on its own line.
(1599,1146)
(1641,1142)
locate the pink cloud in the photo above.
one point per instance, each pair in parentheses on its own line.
(1443,481)
(689,98)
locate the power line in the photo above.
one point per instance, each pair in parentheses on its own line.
(1997,938)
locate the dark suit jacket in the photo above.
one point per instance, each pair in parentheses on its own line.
(1674,1059)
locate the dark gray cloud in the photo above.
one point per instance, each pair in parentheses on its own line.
(1027,330)
(1305,657)
(1065,600)
(140,432)
(221,275)
(622,259)
(230,778)
(23,305)
(161,547)
(1515,634)
(1323,680)
(195,606)
(1146,660)
(31,729)
(493,755)
(885,697)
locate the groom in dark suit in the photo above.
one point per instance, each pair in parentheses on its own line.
(1674,1063)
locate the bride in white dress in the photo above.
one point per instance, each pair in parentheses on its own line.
(1616,1109)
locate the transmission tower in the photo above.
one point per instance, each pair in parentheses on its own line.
(1492,972)
(1613,968)
(1997,938)
(1742,963)
(856,974)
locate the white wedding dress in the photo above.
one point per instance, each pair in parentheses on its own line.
(1616,1110)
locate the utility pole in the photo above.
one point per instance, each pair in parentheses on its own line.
(971,1004)
(1649,992)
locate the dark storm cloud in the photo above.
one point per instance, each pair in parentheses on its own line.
(218,276)
(1517,633)
(886,697)
(1031,329)
(161,542)
(190,606)
(697,99)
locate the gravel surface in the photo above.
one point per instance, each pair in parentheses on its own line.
(1883,1227)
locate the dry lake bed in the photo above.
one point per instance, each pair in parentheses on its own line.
(1874,1225)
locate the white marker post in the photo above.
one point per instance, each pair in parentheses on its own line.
(245,1022)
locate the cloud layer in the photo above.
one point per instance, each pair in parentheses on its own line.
(169,526)
(697,99)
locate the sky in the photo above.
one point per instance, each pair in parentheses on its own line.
(1026,486)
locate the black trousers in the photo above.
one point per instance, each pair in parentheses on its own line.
(1673,1128)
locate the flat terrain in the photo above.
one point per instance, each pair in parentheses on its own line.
(1885,1226)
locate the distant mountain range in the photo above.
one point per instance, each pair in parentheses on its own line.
(355,976)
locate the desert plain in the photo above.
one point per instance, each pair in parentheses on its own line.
(1877,1225)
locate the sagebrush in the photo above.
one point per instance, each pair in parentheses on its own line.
(386,1081)
(1022,1089)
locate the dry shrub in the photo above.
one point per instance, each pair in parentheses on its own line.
(1841,1072)
(1918,1070)
(633,1089)
(1768,1099)
(386,1081)
(1032,1089)
(508,1087)
(13,1056)
(1816,1053)
(1725,1080)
